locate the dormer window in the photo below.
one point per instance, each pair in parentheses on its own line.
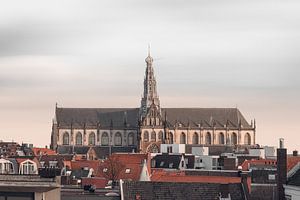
(28,167)
(127,171)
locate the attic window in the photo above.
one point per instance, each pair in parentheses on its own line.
(104,170)
(127,171)
(162,163)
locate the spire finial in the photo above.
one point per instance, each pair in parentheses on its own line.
(148,49)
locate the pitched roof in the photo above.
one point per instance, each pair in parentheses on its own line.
(67,149)
(172,161)
(179,190)
(206,117)
(103,152)
(90,117)
(42,151)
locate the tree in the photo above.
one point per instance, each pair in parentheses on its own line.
(112,168)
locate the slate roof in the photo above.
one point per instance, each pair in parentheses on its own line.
(90,117)
(172,161)
(295,179)
(173,190)
(116,117)
(102,152)
(67,149)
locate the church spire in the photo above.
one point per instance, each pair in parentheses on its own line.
(150,95)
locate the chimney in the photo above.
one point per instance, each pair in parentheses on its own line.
(295,153)
(281,169)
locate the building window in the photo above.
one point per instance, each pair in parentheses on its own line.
(6,167)
(53,164)
(146,136)
(104,139)
(233,138)
(131,139)
(195,138)
(208,138)
(127,171)
(78,138)
(118,139)
(28,167)
(92,138)
(171,137)
(169,149)
(160,136)
(66,138)
(182,138)
(153,136)
(247,139)
(221,138)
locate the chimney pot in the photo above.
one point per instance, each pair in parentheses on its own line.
(281,143)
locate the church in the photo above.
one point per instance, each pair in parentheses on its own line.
(146,127)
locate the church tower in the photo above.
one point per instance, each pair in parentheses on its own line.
(150,97)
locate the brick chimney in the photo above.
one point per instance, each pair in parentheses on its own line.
(281,169)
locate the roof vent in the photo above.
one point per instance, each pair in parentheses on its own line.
(295,153)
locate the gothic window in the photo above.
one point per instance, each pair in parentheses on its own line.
(195,138)
(233,138)
(92,138)
(153,136)
(131,139)
(78,138)
(153,148)
(208,138)
(247,139)
(66,138)
(221,138)
(182,138)
(171,137)
(146,136)
(118,139)
(104,139)
(160,136)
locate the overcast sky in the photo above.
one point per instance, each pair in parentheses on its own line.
(207,53)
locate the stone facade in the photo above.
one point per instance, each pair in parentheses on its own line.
(150,125)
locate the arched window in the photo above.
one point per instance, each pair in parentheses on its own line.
(195,138)
(182,138)
(28,167)
(6,167)
(146,136)
(131,139)
(78,138)
(208,138)
(171,137)
(160,136)
(92,138)
(247,139)
(233,138)
(153,136)
(221,138)
(118,139)
(66,138)
(104,139)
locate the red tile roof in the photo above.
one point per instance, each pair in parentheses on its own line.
(261,162)
(162,175)
(96,181)
(43,151)
(132,163)
(80,164)
(292,161)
